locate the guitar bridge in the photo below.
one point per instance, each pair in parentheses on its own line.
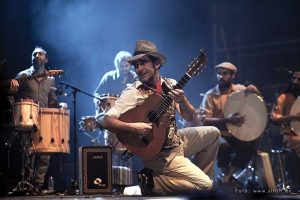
(143,139)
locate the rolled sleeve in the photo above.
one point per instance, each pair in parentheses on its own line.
(207,106)
(129,99)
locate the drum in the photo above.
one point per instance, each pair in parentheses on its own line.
(25,115)
(88,124)
(253,108)
(105,103)
(54,133)
(110,139)
(121,175)
(295,109)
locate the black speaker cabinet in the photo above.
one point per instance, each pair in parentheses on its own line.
(95,169)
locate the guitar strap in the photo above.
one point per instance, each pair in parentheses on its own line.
(158,87)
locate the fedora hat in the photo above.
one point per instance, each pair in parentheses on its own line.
(143,48)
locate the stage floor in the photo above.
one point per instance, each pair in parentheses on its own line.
(220,195)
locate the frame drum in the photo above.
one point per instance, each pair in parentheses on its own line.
(253,108)
(295,109)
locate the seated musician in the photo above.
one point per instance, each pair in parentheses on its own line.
(169,171)
(212,110)
(281,114)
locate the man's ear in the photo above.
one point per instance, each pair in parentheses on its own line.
(233,75)
(157,66)
(46,61)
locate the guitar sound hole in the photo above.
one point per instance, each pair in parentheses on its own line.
(152,117)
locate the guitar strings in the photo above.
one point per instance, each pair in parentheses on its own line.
(166,101)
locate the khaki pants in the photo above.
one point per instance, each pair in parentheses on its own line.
(175,173)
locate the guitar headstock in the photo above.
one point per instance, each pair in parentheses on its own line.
(55,72)
(198,64)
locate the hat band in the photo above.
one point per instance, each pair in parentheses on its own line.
(140,52)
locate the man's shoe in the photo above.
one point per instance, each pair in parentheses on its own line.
(222,181)
(146,182)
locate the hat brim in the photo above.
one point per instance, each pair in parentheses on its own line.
(158,55)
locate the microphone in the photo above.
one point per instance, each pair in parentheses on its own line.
(59,91)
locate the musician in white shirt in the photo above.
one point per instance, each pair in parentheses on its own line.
(169,171)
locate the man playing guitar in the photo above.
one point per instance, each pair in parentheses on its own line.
(163,148)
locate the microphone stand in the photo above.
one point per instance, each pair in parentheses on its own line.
(74,184)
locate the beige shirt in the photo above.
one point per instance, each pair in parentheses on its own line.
(214,102)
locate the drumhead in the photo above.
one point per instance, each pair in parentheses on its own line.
(108,96)
(295,125)
(253,108)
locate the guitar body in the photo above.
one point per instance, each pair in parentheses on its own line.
(156,137)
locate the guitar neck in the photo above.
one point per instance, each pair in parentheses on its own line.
(26,78)
(167,100)
(183,81)
(5,83)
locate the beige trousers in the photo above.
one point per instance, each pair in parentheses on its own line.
(187,168)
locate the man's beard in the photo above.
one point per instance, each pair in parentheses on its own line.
(224,85)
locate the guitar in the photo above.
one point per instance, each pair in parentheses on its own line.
(5,83)
(151,111)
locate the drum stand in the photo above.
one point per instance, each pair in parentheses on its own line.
(24,187)
(95,141)
(280,153)
(252,182)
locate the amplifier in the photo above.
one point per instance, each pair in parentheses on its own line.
(95,169)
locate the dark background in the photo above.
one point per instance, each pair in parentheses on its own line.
(262,38)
